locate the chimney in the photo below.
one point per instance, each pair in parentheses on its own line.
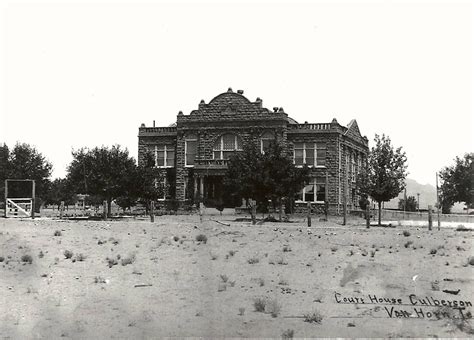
(153,123)
(240,91)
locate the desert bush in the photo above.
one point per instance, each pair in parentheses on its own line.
(224,278)
(128,260)
(176,238)
(241,311)
(351,252)
(314,316)
(253,260)
(409,243)
(406,233)
(80,257)
(232,252)
(259,304)
(111,262)
(288,334)
(283,282)
(201,238)
(286,249)
(470,260)
(334,249)
(41,254)
(273,308)
(68,254)
(57,233)
(261,282)
(433,251)
(372,253)
(99,279)
(461,227)
(27,259)
(2,259)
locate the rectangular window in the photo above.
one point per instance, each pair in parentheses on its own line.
(312,154)
(321,154)
(164,156)
(191,151)
(353,167)
(314,191)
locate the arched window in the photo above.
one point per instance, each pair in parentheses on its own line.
(226,145)
(265,141)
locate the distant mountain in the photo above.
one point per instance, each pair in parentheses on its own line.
(427,196)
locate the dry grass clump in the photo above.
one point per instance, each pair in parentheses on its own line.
(334,249)
(111,261)
(288,334)
(407,244)
(241,311)
(470,260)
(259,304)
(261,282)
(57,233)
(273,307)
(313,316)
(201,238)
(286,249)
(224,278)
(406,233)
(27,258)
(2,259)
(253,260)
(128,260)
(68,254)
(41,254)
(80,257)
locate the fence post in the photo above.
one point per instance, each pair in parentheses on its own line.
(309,215)
(201,207)
(253,209)
(61,210)
(367,216)
(33,199)
(152,211)
(430,218)
(104,204)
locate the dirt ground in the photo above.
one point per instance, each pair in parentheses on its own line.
(136,279)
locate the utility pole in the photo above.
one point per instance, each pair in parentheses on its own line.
(418,201)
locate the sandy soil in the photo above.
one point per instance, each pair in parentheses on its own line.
(330,274)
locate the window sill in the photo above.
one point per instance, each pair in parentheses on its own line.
(319,202)
(164,166)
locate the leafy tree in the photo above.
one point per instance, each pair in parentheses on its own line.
(25,162)
(104,172)
(411,204)
(263,177)
(60,190)
(457,183)
(383,177)
(4,153)
(148,184)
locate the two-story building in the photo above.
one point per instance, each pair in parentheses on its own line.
(192,153)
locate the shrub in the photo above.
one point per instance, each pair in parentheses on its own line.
(2,259)
(406,233)
(176,238)
(314,316)
(259,304)
(27,259)
(80,257)
(409,243)
(68,254)
(253,260)
(128,260)
(241,311)
(41,254)
(111,262)
(261,282)
(224,278)
(201,238)
(372,253)
(232,252)
(433,251)
(333,249)
(288,334)
(286,249)
(57,233)
(273,308)
(99,279)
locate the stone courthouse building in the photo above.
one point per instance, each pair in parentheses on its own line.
(192,154)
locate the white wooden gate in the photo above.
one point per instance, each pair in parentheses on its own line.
(19,207)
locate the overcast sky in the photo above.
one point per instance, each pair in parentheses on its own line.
(77,74)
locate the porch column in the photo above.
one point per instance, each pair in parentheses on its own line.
(201,186)
(195,186)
